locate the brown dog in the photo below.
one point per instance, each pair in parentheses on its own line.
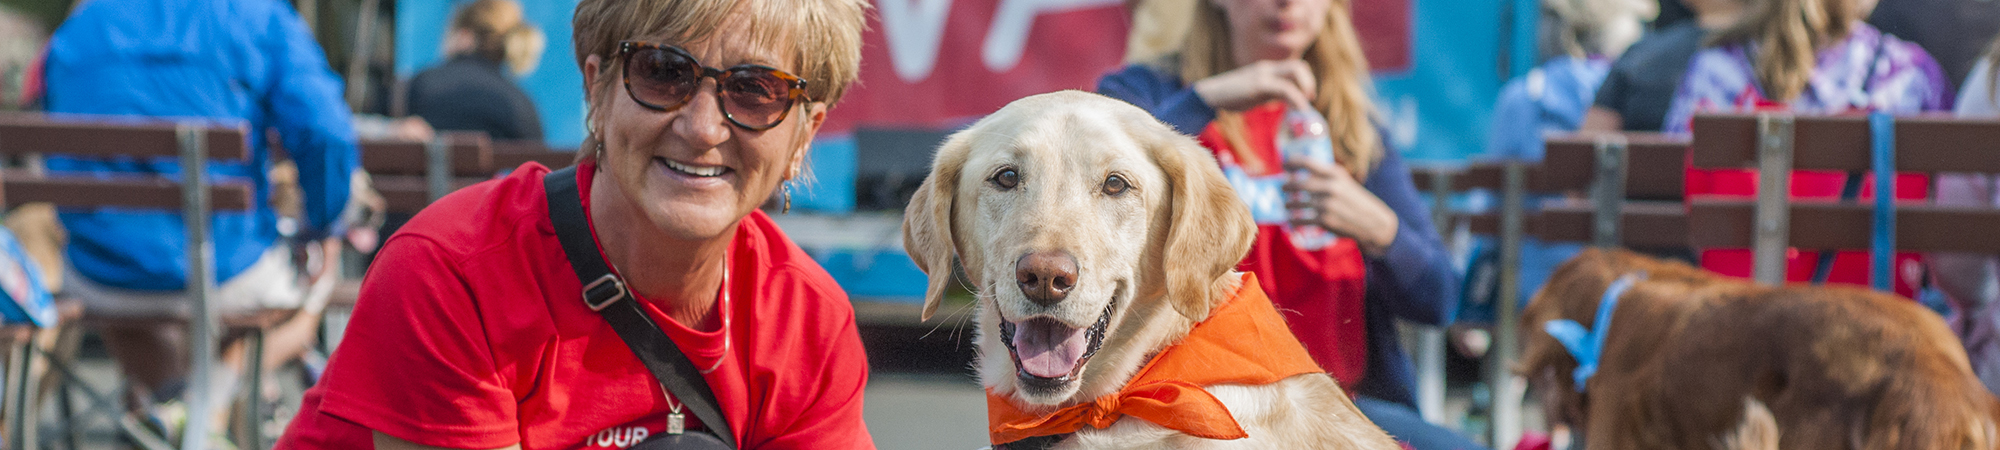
(1691,360)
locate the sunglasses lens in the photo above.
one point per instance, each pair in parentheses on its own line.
(661,78)
(757,97)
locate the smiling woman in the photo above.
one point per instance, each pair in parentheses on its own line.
(474,306)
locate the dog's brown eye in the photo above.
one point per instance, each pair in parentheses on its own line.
(1115,187)
(1007,179)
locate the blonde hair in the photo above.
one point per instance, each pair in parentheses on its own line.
(824,36)
(1336,60)
(1159,27)
(496,27)
(1787,36)
(524,49)
(1993,70)
(1599,27)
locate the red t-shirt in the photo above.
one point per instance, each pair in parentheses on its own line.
(1321,292)
(471,333)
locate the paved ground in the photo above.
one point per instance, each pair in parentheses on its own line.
(921,395)
(926,411)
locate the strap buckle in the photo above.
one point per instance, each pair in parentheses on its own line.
(603,292)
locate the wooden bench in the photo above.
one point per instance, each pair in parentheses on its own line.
(1606,184)
(1648,199)
(1629,182)
(410,175)
(510,154)
(403,171)
(195,144)
(1776,144)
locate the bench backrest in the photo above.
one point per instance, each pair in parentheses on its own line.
(510,154)
(1843,143)
(1648,198)
(1632,181)
(403,171)
(30,133)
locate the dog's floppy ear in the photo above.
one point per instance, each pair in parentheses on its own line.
(927,223)
(1209,227)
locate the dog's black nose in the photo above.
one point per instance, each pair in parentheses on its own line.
(1046,276)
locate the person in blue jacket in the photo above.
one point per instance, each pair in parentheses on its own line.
(1580,39)
(225,61)
(1243,64)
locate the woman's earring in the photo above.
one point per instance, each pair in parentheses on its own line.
(787,209)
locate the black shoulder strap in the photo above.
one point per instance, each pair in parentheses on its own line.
(603,292)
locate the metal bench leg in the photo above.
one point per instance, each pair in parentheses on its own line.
(200,282)
(1774,181)
(20,433)
(125,422)
(253,398)
(1508,389)
(1430,373)
(67,411)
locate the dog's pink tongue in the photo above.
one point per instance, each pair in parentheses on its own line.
(1049,349)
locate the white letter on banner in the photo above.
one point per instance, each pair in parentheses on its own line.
(914,29)
(1008,36)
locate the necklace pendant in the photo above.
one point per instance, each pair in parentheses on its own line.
(676,423)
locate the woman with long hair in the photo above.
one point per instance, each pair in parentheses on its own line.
(1244,64)
(1809,57)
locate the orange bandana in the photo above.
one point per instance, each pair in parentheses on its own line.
(1243,342)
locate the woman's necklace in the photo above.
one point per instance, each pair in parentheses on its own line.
(677,422)
(722,302)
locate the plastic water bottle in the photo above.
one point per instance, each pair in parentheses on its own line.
(1303,136)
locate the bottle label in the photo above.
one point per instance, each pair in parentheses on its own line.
(1264,195)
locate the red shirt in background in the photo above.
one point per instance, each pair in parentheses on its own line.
(1321,293)
(471,333)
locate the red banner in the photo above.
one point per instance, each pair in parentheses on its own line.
(936,64)
(948,62)
(1384,28)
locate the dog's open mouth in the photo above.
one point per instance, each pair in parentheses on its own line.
(1048,353)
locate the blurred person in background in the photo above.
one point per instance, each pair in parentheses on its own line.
(1955,32)
(1635,94)
(1578,38)
(1971,282)
(1808,57)
(248,61)
(1242,65)
(488,45)
(21,47)
(476,336)
(1158,28)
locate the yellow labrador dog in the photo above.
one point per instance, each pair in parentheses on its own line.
(1096,237)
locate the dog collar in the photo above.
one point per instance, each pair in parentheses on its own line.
(1587,345)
